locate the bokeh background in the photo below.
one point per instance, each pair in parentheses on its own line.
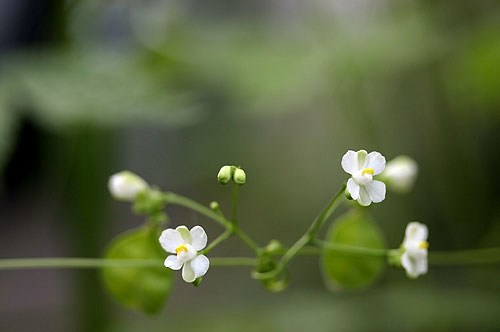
(172,90)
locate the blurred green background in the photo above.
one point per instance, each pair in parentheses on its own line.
(172,90)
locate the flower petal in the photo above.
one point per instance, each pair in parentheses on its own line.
(364,196)
(184,231)
(200,265)
(188,273)
(353,188)
(375,161)
(170,239)
(376,190)
(173,263)
(414,262)
(416,232)
(198,237)
(350,162)
(409,265)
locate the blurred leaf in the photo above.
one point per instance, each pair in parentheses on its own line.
(349,271)
(64,88)
(140,288)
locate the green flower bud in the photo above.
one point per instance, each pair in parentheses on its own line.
(225,174)
(239,176)
(214,206)
(274,246)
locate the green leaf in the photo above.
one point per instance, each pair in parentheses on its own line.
(352,271)
(140,288)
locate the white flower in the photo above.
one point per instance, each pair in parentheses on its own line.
(125,185)
(400,173)
(185,244)
(363,166)
(414,257)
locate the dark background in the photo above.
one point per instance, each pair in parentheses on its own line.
(172,90)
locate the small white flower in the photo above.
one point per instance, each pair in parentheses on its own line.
(400,174)
(414,257)
(125,186)
(185,244)
(363,166)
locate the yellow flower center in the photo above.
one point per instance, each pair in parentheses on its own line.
(367,170)
(180,248)
(423,245)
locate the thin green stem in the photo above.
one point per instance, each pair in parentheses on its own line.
(233,261)
(351,250)
(441,258)
(305,239)
(92,263)
(249,242)
(171,198)
(218,240)
(235,204)
(465,257)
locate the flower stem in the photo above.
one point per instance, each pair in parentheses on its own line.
(218,240)
(248,240)
(171,198)
(305,239)
(351,250)
(92,263)
(235,204)
(465,257)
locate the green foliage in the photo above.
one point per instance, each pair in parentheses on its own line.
(351,271)
(141,288)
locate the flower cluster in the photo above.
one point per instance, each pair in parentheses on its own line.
(228,173)
(368,172)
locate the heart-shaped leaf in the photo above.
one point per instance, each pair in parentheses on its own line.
(347,270)
(142,288)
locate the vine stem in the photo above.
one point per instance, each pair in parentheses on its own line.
(465,257)
(234,218)
(437,258)
(171,198)
(217,241)
(351,250)
(305,239)
(92,263)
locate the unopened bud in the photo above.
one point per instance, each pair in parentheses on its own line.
(239,176)
(400,174)
(225,174)
(214,206)
(125,186)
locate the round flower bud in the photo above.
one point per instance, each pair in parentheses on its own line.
(239,176)
(224,175)
(214,205)
(400,174)
(125,186)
